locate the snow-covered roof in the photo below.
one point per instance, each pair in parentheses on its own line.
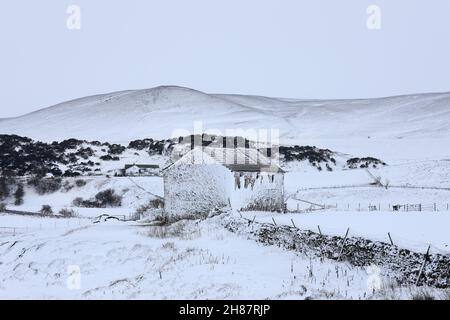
(142,166)
(235,159)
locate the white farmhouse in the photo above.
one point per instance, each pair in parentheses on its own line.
(140,169)
(207,179)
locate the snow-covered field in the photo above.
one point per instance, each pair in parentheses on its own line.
(191,261)
(185,261)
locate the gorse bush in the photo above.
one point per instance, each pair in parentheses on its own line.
(68,213)
(46,210)
(45,185)
(108,198)
(80,183)
(103,199)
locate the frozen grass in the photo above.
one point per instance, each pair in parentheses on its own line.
(184,260)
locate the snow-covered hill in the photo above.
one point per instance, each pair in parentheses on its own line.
(158,112)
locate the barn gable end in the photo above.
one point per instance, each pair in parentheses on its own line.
(208,179)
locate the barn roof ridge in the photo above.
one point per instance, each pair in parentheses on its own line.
(253,160)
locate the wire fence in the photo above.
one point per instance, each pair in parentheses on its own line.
(371,207)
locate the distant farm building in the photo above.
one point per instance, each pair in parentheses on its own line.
(140,170)
(208,178)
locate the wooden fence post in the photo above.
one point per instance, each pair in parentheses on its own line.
(320,231)
(292,220)
(343,244)
(423,265)
(274,223)
(390,239)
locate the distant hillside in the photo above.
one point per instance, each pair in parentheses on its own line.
(121,117)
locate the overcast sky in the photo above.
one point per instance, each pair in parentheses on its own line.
(282,48)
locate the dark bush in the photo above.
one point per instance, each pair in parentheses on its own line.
(4,188)
(109,158)
(108,198)
(77,202)
(18,195)
(80,183)
(140,144)
(314,155)
(85,153)
(103,199)
(46,210)
(116,149)
(70,173)
(68,213)
(45,185)
(366,162)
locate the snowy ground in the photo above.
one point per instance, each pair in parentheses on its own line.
(131,260)
(184,261)
(425,182)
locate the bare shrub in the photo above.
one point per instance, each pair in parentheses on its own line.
(168,246)
(2,207)
(152,206)
(45,185)
(68,213)
(423,294)
(445,295)
(166,231)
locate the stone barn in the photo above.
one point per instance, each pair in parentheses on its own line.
(207,179)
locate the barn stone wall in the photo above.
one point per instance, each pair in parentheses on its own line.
(192,189)
(258,191)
